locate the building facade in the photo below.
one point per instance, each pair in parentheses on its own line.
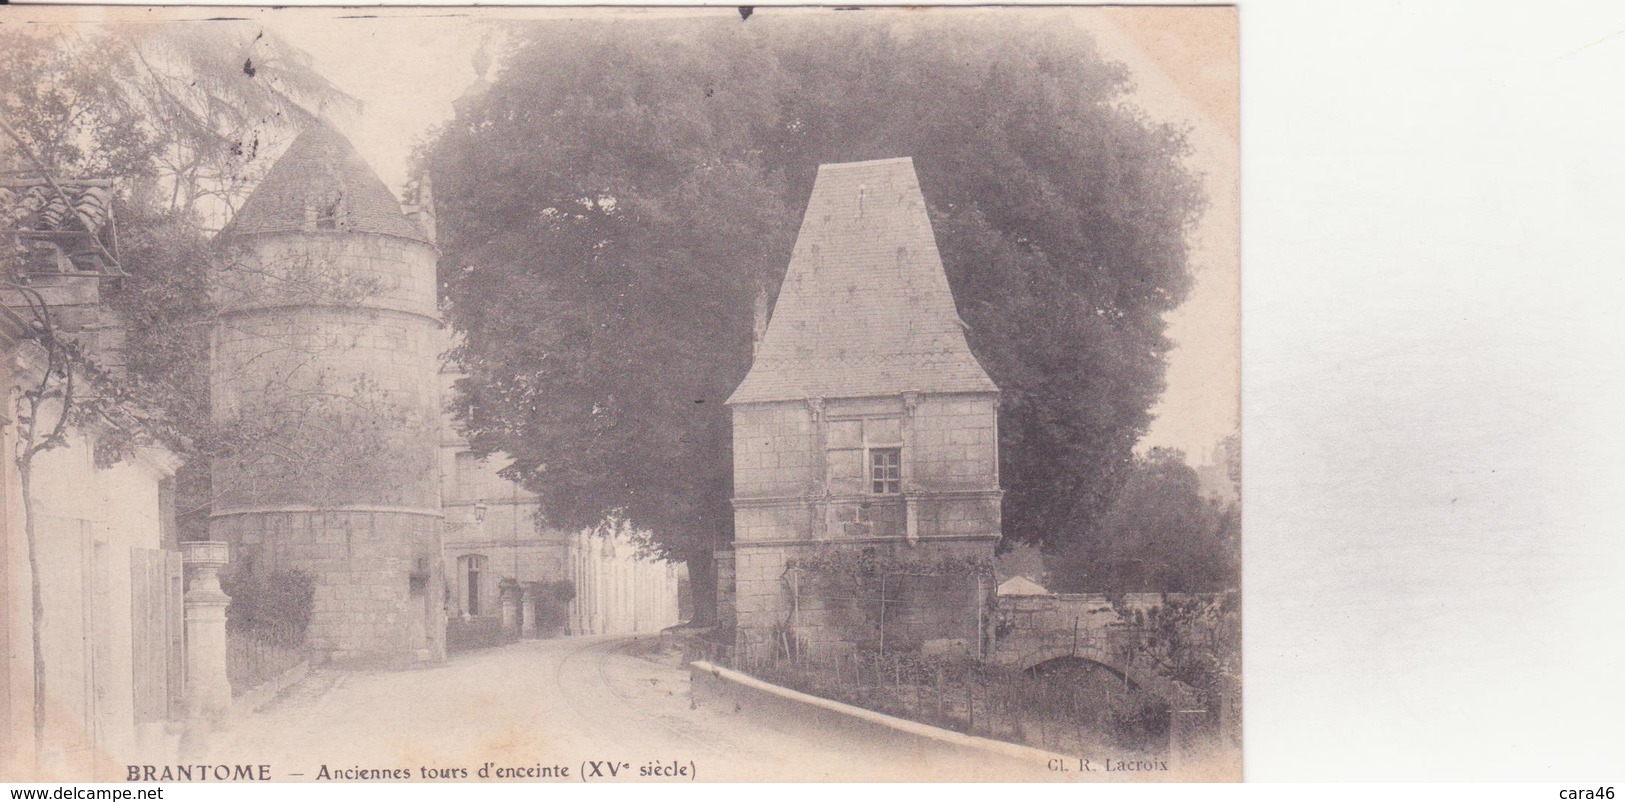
(502,564)
(509,574)
(111,651)
(865,427)
(110,582)
(617,591)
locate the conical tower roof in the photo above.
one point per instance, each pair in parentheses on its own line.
(321,183)
(865,307)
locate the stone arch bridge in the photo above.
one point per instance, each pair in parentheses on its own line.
(1032,631)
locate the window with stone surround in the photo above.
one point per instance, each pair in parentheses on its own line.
(472,578)
(865,456)
(885,471)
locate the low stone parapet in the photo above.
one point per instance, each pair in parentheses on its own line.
(713,684)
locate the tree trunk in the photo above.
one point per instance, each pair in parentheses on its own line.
(702,583)
(25,474)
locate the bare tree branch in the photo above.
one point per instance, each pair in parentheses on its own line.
(45,171)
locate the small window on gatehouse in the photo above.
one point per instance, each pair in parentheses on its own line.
(885,471)
(865,456)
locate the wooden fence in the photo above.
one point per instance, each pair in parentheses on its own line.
(260,654)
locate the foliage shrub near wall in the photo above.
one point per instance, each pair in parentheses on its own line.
(272,604)
(265,623)
(553,606)
(559,591)
(838,598)
(1195,641)
(873,562)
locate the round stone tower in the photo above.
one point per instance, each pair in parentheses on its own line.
(324,373)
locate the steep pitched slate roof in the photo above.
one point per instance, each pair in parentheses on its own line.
(321,182)
(31,204)
(865,307)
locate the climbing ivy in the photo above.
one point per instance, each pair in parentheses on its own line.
(871,562)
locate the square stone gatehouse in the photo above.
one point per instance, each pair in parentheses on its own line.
(865,440)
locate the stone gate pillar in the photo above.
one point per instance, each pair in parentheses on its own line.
(509,598)
(528,597)
(208,691)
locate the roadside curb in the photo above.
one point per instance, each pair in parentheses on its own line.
(252,701)
(1025,754)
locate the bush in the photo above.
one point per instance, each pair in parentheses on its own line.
(271,603)
(1137,722)
(562,591)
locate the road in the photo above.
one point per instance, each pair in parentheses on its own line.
(535,705)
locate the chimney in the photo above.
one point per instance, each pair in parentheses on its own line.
(761,313)
(419,206)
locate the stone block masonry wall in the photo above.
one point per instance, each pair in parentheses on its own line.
(802,487)
(1034,629)
(295,349)
(950,442)
(345,421)
(955,443)
(775,450)
(378,578)
(787,488)
(302,268)
(296,309)
(832,614)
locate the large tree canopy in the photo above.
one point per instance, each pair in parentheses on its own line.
(184,117)
(1160,533)
(171,113)
(612,206)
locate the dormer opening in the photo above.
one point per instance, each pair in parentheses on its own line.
(322,213)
